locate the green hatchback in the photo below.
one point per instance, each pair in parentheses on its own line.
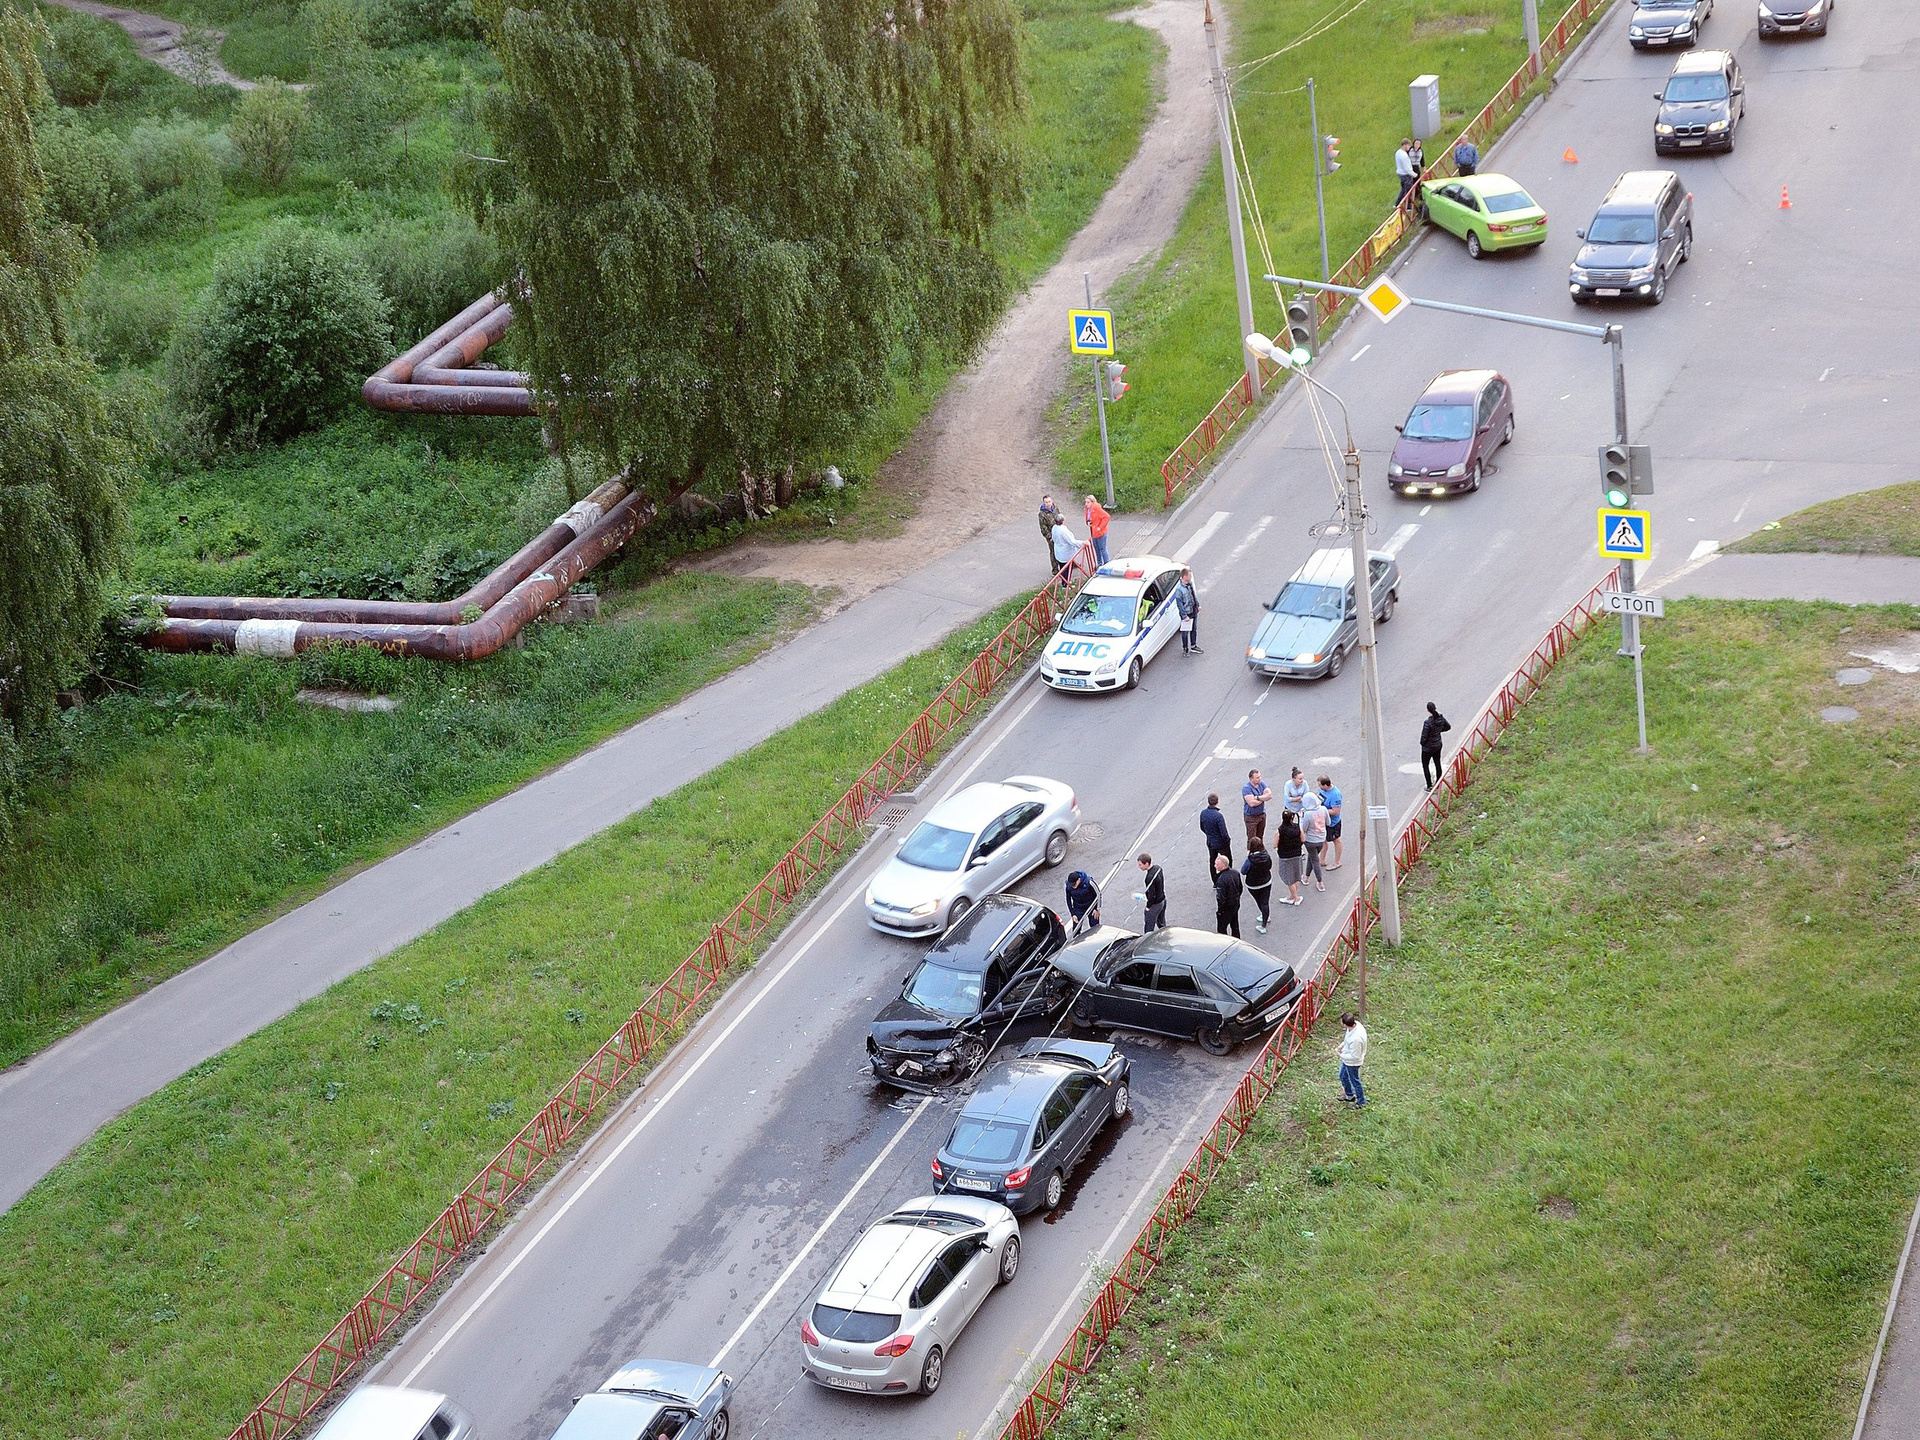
(1489,212)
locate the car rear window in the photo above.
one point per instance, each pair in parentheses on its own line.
(858,1327)
(1512,200)
(991,1142)
(934,847)
(1247,971)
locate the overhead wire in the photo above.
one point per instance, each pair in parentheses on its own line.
(1313,32)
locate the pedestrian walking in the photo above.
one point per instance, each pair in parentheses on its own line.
(1226,897)
(1258,868)
(1431,729)
(1154,893)
(1313,837)
(1213,825)
(1049,517)
(1466,156)
(1254,796)
(1187,600)
(1293,795)
(1083,901)
(1403,167)
(1331,797)
(1097,521)
(1353,1054)
(1290,855)
(1065,546)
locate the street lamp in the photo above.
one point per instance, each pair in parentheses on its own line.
(1372,733)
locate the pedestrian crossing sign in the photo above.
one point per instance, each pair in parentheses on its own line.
(1092,332)
(1626,534)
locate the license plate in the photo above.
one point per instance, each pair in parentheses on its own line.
(1656,40)
(1608,290)
(842,1382)
(1073,681)
(968,1182)
(1689,142)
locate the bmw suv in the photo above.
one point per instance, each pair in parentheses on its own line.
(1702,104)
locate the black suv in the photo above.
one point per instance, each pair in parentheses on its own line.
(1659,23)
(1702,104)
(988,971)
(1641,233)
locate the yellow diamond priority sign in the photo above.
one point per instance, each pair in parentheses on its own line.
(1385,299)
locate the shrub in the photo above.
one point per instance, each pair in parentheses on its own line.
(283,337)
(82,56)
(177,168)
(402,22)
(352,104)
(429,273)
(89,178)
(265,131)
(123,324)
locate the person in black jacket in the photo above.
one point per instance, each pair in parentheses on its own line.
(1226,897)
(1083,901)
(1213,825)
(1258,868)
(1431,729)
(1154,888)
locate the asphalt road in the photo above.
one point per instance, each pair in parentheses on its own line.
(1780,371)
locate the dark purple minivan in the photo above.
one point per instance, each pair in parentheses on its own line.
(1452,432)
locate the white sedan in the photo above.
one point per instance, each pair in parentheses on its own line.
(1117,623)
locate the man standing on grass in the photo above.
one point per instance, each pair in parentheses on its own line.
(1403,167)
(1353,1054)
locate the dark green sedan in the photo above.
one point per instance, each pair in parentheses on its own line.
(1489,212)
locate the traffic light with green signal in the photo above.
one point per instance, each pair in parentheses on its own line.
(1616,477)
(1300,326)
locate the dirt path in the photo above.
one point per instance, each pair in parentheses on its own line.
(981,457)
(158,38)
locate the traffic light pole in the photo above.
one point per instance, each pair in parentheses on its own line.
(1629,624)
(1100,402)
(1319,171)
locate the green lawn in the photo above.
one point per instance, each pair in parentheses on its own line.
(1646,1093)
(1175,316)
(165,1277)
(1873,522)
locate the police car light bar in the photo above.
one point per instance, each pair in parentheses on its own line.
(1114,572)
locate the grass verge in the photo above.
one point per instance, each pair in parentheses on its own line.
(168,1274)
(1175,315)
(1873,522)
(1639,1156)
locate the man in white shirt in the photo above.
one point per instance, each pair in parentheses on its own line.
(1353,1054)
(1403,167)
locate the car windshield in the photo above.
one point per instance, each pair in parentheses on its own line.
(946,991)
(1101,615)
(934,847)
(1439,422)
(1682,89)
(1247,971)
(991,1142)
(1620,230)
(858,1327)
(1321,601)
(1510,201)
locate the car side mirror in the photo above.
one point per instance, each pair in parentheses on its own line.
(1667,234)
(1579,234)
(1739,89)
(1399,429)
(1660,95)
(976,862)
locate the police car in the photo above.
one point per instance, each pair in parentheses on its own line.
(1118,622)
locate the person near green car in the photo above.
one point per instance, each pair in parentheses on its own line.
(1489,212)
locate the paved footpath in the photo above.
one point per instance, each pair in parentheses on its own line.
(53,1101)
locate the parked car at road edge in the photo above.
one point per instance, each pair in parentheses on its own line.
(1489,212)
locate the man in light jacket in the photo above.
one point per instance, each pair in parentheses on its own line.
(1065,545)
(1353,1054)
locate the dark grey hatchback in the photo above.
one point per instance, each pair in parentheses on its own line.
(1031,1121)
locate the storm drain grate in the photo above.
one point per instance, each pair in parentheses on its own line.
(890,817)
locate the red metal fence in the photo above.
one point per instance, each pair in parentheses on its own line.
(728,945)
(1184,464)
(1050,1393)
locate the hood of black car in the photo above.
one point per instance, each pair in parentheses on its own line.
(1613,257)
(903,1025)
(1693,112)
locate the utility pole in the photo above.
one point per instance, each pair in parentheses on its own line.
(1379,816)
(1223,121)
(1530,17)
(1100,401)
(1319,173)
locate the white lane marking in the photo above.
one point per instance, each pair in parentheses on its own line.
(1397,541)
(980,759)
(1140,841)
(1409,769)
(1233,556)
(1328,760)
(1702,549)
(1200,537)
(634,1134)
(1425,508)
(1241,722)
(1826,372)
(1742,510)
(825,1225)
(1369,345)
(1261,698)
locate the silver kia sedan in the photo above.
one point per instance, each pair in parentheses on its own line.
(889,1312)
(972,844)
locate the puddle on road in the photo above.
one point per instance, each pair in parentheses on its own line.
(1089,1165)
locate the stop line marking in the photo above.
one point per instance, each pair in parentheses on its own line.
(1200,537)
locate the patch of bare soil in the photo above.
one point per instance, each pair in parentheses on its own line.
(158,38)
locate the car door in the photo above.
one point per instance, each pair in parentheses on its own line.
(1026,839)
(1348,634)
(1667,218)
(1127,999)
(1182,1008)
(1166,615)
(1089,1100)
(992,858)
(1380,575)
(971,1264)
(1482,426)
(934,1294)
(1444,209)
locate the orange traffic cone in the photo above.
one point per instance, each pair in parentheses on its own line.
(1785,203)
(1570,158)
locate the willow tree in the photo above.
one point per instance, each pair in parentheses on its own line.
(731,222)
(66,461)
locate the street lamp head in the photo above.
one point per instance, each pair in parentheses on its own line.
(1262,346)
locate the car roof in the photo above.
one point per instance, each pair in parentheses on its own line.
(1015,1090)
(1490,183)
(1696,62)
(600,1416)
(1456,384)
(884,1264)
(1330,567)
(977,804)
(663,1377)
(970,944)
(381,1412)
(1116,577)
(1637,188)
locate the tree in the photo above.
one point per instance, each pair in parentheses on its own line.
(265,131)
(352,107)
(67,462)
(731,223)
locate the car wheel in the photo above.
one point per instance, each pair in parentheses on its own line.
(1133,673)
(1506,435)
(1473,477)
(1579,299)
(1122,1100)
(1215,1041)
(1081,1016)
(1055,1191)
(1336,662)
(1686,245)
(1659,287)
(930,1371)
(1056,847)
(722,1423)
(1386,610)
(1010,1260)
(1473,243)
(958,912)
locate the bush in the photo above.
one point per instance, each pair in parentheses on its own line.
(402,22)
(123,324)
(89,178)
(265,132)
(352,102)
(82,56)
(177,168)
(429,273)
(283,337)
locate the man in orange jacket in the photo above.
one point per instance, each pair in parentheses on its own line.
(1097,519)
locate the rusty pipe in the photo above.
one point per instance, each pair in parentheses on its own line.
(451,363)
(392,386)
(565,529)
(483,637)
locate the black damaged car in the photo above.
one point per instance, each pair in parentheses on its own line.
(987,971)
(1191,983)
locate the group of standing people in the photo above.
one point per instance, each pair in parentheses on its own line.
(1411,158)
(1306,845)
(1062,543)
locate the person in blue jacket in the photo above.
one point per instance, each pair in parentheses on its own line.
(1083,901)
(1213,826)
